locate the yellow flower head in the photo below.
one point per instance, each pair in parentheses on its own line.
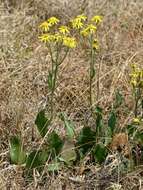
(88,30)
(133,83)
(136,77)
(64,30)
(136,120)
(44,26)
(95,44)
(69,42)
(46,38)
(97,19)
(77,23)
(82,17)
(53,20)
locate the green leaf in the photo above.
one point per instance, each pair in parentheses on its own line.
(69,126)
(50,80)
(100,153)
(37,158)
(139,137)
(17,153)
(131,129)
(112,121)
(55,143)
(42,123)
(68,153)
(108,136)
(53,167)
(86,139)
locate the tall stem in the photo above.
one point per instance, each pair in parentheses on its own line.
(137,98)
(53,89)
(92,73)
(98,83)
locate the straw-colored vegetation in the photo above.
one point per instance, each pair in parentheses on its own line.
(71,94)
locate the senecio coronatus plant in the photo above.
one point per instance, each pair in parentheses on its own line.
(59,39)
(87,30)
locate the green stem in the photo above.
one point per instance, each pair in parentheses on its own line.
(54,78)
(56,62)
(91,73)
(98,83)
(53,90)
(137,98)
(66,52)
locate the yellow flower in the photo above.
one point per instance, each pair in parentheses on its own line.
(95,44)
(45,37)
(64,30)
(44,26)
(53,20)
(97,19)
(82,17)
(133,66)
(136,120)
(69,42)
(77,23)
(134,75)
(88,30)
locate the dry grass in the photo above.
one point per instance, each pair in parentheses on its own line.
(23,69)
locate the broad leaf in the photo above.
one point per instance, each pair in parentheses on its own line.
(86,139)
(69,126)
(100,153)
(55,143)
(112,121)
(37,159)
(68,153)
(139,137)
(108,136)
(42,123)
(53,167)
(131,129)
(17,153)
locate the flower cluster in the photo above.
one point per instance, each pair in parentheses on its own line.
(136,77)
(89,30)
(62,35)
(136,120)
(45,26)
